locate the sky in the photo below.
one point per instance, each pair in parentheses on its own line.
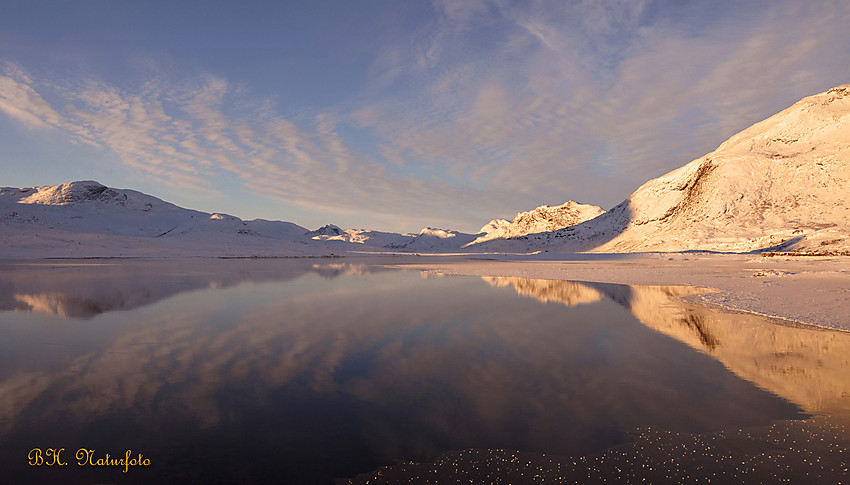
(396,115)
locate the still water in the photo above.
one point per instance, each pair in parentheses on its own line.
(311,371)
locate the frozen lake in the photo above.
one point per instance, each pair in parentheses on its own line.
(308,371)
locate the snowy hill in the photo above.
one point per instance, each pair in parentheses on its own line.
(437,240)
(371,240)
(542,219)
(87,218)
(91,207)
(428,240)
(782,183)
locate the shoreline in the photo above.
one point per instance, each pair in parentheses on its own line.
(797,291)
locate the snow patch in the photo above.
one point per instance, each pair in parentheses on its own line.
(224,217)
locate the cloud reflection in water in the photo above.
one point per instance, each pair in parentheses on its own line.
(367,368)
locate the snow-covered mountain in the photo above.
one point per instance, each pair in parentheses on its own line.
(328,231)
(89,219)
(782,183)
(542,219)
(427,240)
(91,207)
(363,237)
(438,240)
(86,218)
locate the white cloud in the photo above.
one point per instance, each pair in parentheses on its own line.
(21,102)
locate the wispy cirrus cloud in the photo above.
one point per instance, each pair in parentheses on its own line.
(19,101)
(589,99)
(188,135)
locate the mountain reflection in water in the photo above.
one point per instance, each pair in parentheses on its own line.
(336,370)
(87,289)
(808,366)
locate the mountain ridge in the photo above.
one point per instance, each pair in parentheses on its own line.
(544,218)
(780,184)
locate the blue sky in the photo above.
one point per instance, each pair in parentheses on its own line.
(396,115)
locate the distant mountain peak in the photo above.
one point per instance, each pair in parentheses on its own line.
(327,230)
(66,194)
(438,233)
(544,218)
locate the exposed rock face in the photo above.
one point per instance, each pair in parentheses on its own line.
(328,230)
